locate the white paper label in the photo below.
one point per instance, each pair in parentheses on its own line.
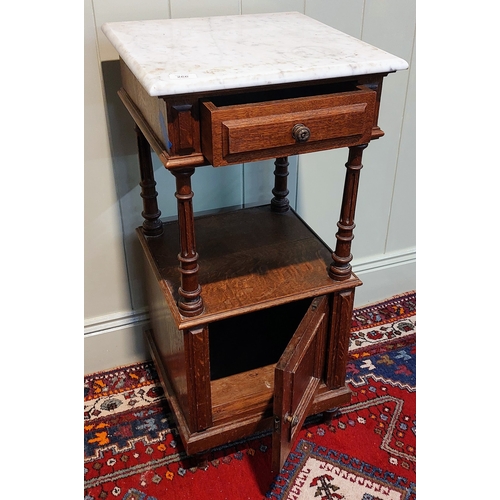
(182,76)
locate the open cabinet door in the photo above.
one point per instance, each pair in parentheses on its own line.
(296,378)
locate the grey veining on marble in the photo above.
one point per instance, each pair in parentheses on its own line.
(176,56)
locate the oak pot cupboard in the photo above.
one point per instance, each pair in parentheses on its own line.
(250,310)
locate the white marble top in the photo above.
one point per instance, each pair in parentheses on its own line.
(177,56)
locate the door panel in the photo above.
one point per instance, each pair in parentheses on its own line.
(296,379)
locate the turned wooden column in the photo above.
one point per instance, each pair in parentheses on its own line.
(152,225)
(190,302)
(280,201)
(340,268)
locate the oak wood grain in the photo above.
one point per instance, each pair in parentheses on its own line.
(255,131)
(248,259)
(297,377)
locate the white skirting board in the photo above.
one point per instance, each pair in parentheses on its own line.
(118,340)
(385,277)
(110,342)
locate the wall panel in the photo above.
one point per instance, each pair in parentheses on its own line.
(124,10)
(106,286)
(344,15)
(260,6)
(203,8)
(402,224)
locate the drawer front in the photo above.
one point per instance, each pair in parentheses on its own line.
(263,130)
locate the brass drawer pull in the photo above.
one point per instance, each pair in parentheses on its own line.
(301,133)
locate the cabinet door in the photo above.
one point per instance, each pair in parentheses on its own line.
(296,379)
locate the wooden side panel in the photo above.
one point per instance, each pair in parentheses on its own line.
(207,143)
(183,355)
(177,144)
(168,339)
(374,83)
(297,377)
(198,378)
(338,342)
(153,109)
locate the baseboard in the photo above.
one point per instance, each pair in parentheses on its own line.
(385,276)
(118,340)
(115,340)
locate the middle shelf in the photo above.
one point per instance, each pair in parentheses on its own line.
(249,259)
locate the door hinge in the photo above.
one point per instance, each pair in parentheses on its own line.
(277,424)
(315,303)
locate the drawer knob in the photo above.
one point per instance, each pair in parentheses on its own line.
(301,133)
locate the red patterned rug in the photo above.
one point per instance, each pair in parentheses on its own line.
(364,452)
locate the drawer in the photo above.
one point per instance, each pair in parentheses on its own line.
(250,131)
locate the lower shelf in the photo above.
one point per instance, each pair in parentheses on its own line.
(248,393)
(239,414)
